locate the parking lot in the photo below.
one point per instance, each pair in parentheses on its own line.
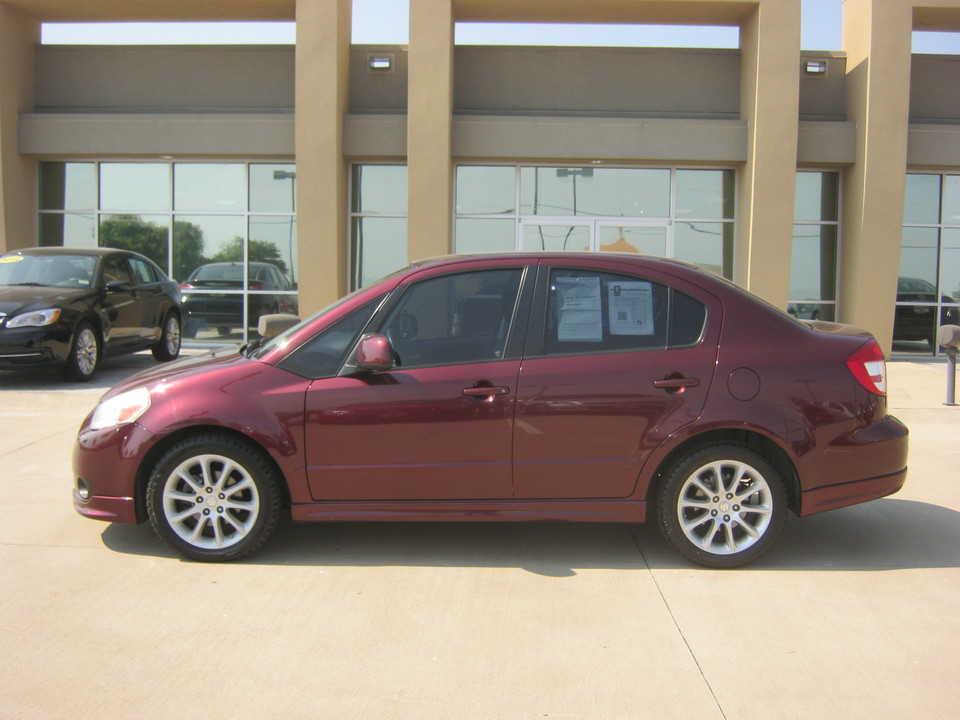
(852,614)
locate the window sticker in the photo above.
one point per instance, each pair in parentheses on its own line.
(631,308)
(578,300)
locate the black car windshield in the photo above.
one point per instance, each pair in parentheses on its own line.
(67,271)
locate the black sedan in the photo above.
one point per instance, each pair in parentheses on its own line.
(70,307)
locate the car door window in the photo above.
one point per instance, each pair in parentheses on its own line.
(142,272)
(322,355)
(115,270)
(589,311)
(460,318)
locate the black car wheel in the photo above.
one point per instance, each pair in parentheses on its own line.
(214,498)
(168,347)
(722,507)
(84,354)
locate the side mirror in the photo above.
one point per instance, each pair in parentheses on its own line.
(119,286)
(272,325)
(373,354)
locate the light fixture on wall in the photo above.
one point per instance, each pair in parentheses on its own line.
(816,68)
(381,63)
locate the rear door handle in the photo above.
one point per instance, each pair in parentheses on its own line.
(676,384)
(485,392)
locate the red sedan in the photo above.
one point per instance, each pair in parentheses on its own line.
(587,387)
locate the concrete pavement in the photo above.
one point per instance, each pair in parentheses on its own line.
(853,614)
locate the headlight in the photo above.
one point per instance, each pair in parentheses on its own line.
(36,318)
(124,408)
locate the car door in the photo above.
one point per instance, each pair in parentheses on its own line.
(153,299)
(440,424)
(121,304)
(614,364)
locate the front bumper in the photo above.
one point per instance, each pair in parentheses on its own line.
(33,347)
(106,468)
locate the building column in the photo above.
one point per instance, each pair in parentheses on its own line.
(769,103)
(322,84)
(18,174)
(429,118)
(877,37)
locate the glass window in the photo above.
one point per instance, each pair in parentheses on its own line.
(139,187)
(273,239)
(608,192)
(705,194)
(486,190)
(68,229)
(650,240)
(208,187)
(379,189)
(928,286)
(273,188)
(950,265)
(815,247)
(379,247)
(68,186)
(204,239)
(921,203)
(816,196)
(485,235)
(951,200)
(918,255)
(813,263)
(115,270)
(556,238)
(144,234)
(707,245)
(454,318)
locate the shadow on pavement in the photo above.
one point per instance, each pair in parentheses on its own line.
(886,534)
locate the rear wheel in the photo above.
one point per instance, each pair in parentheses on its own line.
(84,354)
(723,506)
(214,498)
(168,346)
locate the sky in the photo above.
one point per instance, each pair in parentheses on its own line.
(386,22)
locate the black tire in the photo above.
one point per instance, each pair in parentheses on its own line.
(84,354)
(736,521)
(235,515)
(168,346)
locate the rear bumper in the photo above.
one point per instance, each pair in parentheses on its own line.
(852,493)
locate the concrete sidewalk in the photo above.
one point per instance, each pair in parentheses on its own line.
(852,614)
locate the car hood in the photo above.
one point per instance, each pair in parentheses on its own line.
(178,370)
(15,299)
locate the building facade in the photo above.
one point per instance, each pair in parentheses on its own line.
(826,182)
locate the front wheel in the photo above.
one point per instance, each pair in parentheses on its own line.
(84,354)
(722,506)
(168,346)
(214,498)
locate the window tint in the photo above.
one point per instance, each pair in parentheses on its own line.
(454,318)
(323,354)
(591,311)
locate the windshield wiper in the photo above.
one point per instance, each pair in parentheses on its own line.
(27,284)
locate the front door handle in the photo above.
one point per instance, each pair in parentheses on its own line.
(676,384)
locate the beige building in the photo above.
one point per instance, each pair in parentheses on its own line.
(826,182)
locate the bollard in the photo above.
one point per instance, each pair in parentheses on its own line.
(949,338)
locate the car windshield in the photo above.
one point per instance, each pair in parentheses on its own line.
(67,271)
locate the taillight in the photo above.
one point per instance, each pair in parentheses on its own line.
(257,285)
(186,286)
(869,367)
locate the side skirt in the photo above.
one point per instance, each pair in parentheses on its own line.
(617,511)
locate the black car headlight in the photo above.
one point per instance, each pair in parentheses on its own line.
(35,318)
